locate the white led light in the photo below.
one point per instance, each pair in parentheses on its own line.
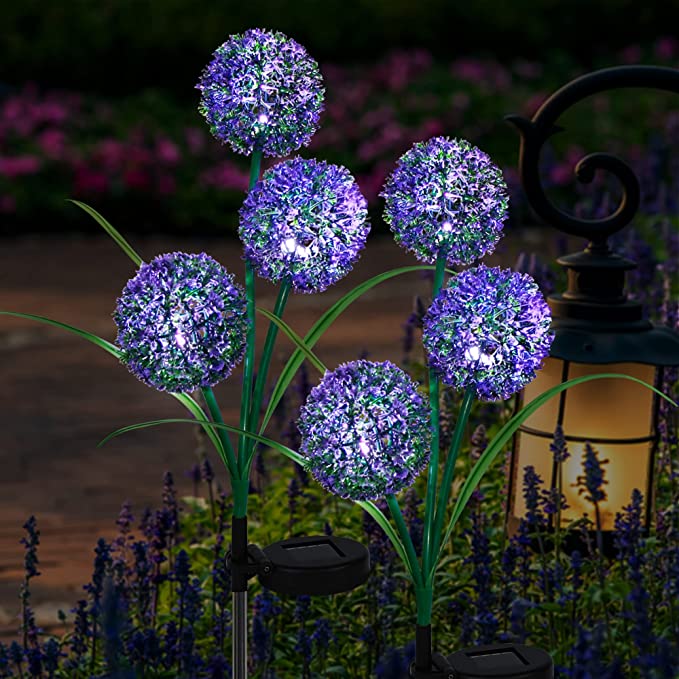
(472,353)
(289,245)
(180,339)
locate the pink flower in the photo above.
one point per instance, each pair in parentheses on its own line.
(225,175)
(400,68)
(195,139)
(336,111)
(499,77)
(562,173)
(666,48)
(52,143)
(390,137)
(137,179)
(327,137)
(49,111)
(487,75)
(19,166)
(110,153)
(472,70)
(378,117)
(167,151)
(371,184)
(355,94)
(88,181)
(136,154)
(429,128)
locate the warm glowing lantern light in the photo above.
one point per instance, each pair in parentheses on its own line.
(597,329)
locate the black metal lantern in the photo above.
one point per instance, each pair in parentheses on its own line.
(597,329)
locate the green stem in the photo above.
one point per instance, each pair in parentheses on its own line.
(240,488)
(434,461)
(255,166)
(413,564)
(230,461)
(424,597)
(265,362)
(248,365)
(449,472)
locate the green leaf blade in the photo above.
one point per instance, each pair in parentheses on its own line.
(113,232)
(288,452)
(90,337)
(294,337)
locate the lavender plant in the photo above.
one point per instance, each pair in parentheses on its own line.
(486,585)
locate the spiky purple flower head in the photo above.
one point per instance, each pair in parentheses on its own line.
(262,91)
(305,220)
(365,430)
(182,322)
(488,329)
(446,194)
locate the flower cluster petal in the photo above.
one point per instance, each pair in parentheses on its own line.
(182,322)
(365,430)
(305,220)
(262,91)
(446,195)
(488,329)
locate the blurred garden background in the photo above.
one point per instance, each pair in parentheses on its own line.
(98,103)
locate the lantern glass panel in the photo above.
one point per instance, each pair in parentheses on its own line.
(600,409)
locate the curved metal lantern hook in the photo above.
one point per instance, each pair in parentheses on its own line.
(535,132)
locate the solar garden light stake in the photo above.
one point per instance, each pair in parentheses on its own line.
(248,92)
(367,431)
(595,325)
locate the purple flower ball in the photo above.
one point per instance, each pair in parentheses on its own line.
(182,322)
(262,91)
(305,220)
(365,430)
(488,329)
(446,195)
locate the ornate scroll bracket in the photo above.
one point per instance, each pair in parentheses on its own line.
(535,132)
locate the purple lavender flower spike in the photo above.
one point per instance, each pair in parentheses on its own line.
(262,91)
(182,322)
(489,329)
(446,194)
(305,220)
(365,430)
